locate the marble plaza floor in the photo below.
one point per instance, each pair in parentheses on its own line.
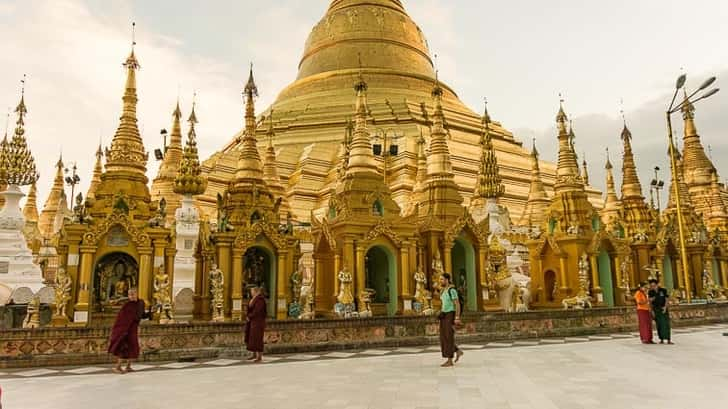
(613,371)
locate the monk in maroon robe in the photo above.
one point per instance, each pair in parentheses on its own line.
(124,340)
(255,324)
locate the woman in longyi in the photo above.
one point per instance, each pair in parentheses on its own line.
(124,340)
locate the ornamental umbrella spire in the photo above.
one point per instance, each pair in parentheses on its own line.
(189,180)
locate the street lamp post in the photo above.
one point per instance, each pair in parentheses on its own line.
(387,149)
(673,164)
(657,185)
(72,181)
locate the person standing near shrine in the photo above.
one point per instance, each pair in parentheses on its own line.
(658,297)
(124,340)
(449,317)
(643,314)
(255,324)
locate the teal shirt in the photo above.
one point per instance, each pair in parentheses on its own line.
(448,298)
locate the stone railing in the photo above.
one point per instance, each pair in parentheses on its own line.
(84,345)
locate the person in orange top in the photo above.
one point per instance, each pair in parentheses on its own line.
(643,314)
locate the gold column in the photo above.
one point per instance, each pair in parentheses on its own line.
(360,274)
(337,268)
(680,276)
(237,284)
(562,275)
(319,296)
(404,288)
(224,263)
(84,284)
(447,260)
(169,254)
(282,287)
(595,273)
(724,273)
(145,274)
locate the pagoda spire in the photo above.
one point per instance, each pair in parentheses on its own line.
(30,210)
(584,171)
(488,184)
(173,151)
(567,169)
(439,165)
(127,154)
(52,203)
(421,177)
(270,170)
(189,180)
(631,187)
(250,166)
(698,167)
(685,199)
(718,215)
(361,158)
(610,211)
(534,213)
(19,166)
(98,170)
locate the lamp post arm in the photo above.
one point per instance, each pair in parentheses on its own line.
(680,221)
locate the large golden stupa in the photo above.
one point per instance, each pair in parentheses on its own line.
(310,116)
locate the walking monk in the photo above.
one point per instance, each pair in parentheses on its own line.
(255,324)
(124,340)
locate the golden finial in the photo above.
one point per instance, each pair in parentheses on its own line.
(561,117)
(189,180)
(18,165)
(251,90)
(360,85)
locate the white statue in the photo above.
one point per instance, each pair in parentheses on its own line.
(582,299)
(307,299)
(62,291)
(217,282)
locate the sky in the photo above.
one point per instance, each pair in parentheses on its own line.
(602,57)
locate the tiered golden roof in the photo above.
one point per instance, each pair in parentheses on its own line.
(488,185)
(270,170)
(127,152)
(636,215)
(30,210)
(534,213)
(188,180)
(567,169)
(699,168)
(98,170)
(610,212)
(18,165)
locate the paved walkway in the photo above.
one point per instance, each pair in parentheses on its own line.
(613,371)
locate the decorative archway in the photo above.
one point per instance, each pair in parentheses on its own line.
(380,267)
(549,285)
(463,271)
(259,269)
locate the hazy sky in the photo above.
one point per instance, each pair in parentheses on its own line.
(520,54)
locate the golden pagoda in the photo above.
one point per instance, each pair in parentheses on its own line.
(117,240)
(270,171)
(573,231)
(311,113)
(611,211)
(364,234)
(249,245)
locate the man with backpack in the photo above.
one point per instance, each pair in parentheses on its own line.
(449,318)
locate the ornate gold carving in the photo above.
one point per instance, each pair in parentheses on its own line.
(137,236)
